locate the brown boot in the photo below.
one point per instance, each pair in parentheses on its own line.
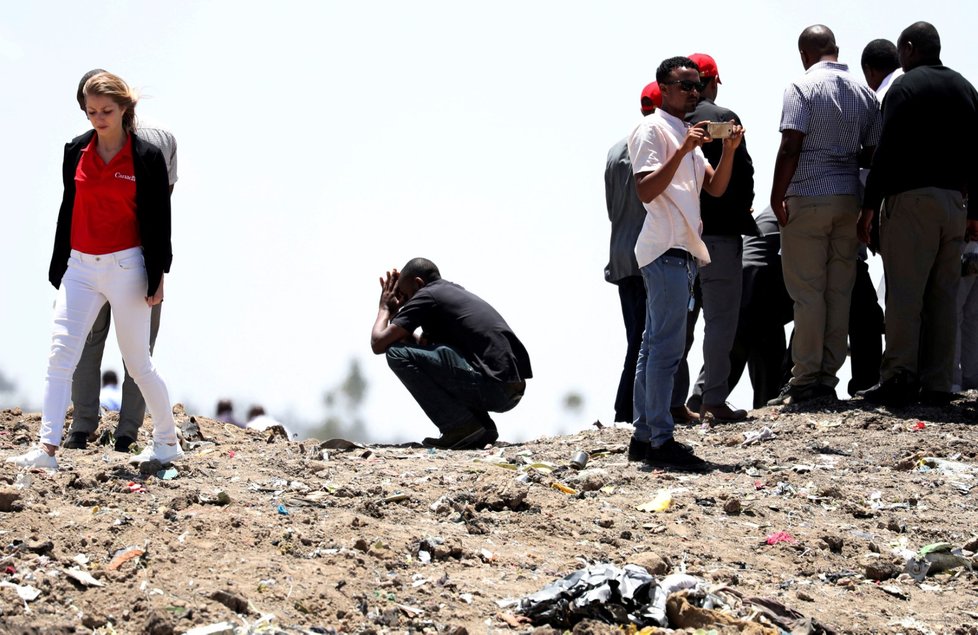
(683,415)
(722,413)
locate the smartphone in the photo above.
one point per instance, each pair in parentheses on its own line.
(719,130)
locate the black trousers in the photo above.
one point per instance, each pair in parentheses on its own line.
(865,332)
(631,293)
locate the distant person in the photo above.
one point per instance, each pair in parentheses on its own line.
(258,420)
(670,170)
(830,124)
(225,412)
(880,68)
(726,219)
(112,244)
(627,214)
(466,362)
(922,173)
(84,387)
(765,308)
(110,397)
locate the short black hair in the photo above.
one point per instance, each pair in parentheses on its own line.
(81,85)
(925,39)
(880,55)
(421,268)
(669,65)
(818,40)
(109,378)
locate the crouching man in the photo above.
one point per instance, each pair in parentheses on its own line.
(465,363)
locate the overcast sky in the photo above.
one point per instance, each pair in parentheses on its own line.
(321,143)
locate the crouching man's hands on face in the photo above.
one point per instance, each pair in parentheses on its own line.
(384,333)
(388,291)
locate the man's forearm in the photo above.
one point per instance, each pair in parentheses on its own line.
(717,185)
(651,184)
(784,170)
(377,333)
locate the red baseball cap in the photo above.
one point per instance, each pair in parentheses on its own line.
(651,98)
(708,67)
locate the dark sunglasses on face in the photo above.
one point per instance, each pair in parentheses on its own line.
(687,86)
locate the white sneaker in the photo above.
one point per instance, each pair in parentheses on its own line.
(35,457)
(158,452)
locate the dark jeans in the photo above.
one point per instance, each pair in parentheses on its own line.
(450,391)
(631,292)
(88,379)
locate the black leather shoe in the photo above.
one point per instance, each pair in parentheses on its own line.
(898,392)
(76,441)
(936,398)
(471,437)
(122,444)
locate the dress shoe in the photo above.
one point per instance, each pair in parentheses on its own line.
(122,444)
(468,437)
(76,441)
(934,398)
(722,413)
(899,392)
(682,414)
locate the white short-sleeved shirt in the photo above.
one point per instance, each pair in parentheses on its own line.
(151,132)
(672,219)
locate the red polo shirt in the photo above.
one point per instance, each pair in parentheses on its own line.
(103,219)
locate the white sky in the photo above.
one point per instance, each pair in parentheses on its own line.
(321,143)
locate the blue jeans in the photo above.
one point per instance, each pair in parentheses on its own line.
(667,286)
(450,391)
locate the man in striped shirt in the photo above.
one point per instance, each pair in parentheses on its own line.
(830,124)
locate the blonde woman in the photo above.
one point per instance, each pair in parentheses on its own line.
(112,244)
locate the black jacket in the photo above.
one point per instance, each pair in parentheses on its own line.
(152,209)
(728,215)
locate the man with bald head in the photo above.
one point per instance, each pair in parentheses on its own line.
(922,175)
(829,124)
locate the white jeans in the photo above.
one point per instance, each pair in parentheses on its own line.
(120,279)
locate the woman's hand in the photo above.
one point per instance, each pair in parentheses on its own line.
(157,297)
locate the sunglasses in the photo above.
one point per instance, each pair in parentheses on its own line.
(686,85)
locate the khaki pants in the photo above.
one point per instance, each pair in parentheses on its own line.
(818,255)
(921,235)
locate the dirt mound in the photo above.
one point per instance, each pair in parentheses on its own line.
(819,515)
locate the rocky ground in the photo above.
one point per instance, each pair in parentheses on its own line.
(252,533)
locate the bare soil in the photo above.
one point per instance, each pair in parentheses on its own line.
(263,533)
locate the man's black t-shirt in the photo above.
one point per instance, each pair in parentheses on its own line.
(451,316)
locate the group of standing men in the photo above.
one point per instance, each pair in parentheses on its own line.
(680,203)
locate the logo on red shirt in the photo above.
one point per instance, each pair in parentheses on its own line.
(128,177)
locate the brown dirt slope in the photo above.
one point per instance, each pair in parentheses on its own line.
(265,534)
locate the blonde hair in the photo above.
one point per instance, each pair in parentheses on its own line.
(115,88)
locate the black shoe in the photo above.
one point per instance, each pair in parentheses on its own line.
(638,450)
(676,456)
(469,437)
(123,444)
(76,441)
(822,391)
(791,394)
(935,398)
(899,392)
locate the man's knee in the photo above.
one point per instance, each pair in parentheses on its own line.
(398,355)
